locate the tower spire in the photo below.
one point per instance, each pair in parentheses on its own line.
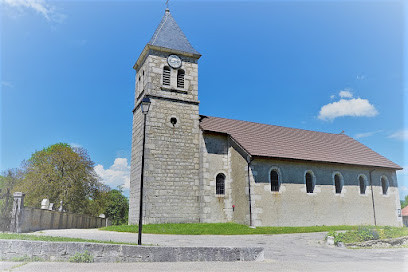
(169,35)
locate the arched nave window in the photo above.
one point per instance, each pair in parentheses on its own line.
(274,181)
(384,185)
(220,184)
(309,182)
(363,185)
(338,184)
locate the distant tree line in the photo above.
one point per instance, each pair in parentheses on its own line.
(64,173)
(404,202)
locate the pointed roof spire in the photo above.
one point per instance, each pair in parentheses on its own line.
(169,35)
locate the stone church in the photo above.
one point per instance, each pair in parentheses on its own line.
(210,169)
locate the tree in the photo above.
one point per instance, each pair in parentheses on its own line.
(117,207)
(8,180)
(404,202)
(61,173)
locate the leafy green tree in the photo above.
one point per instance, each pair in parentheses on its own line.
(61,173)
(117,207)
(8,180)
(97,204)
(404,202)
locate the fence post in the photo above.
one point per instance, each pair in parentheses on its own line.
(17,213)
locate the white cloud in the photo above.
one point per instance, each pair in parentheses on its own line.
(400,135)
(345,94)
(75,145)
(366,134)
(116,175)
(40,6)
(360,77)
(356,107)
(404,188)
(333,96)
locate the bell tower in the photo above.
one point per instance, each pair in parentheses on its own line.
(166,73)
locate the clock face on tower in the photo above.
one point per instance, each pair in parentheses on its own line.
(174,61)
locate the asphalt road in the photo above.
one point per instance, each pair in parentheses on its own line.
(285,252)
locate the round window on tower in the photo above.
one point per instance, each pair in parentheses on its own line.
(173,121)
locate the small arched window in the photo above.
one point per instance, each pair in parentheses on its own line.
(166,75)
(220,184)
(363,185)
(309,183)
(337,183)
(274,181)
(384,185)
(180,78)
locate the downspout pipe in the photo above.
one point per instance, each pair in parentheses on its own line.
(251,223)
(372,194)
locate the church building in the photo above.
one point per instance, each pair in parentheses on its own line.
(209,169)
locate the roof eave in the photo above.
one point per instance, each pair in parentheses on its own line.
(330,162)
(148,46)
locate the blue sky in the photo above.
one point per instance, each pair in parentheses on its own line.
(331,66)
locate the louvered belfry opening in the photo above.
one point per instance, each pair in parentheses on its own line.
(166,75)
(180,78)
(362,185)
(274,181)
(337,183)
(220,184)
(309,183)
(384,185)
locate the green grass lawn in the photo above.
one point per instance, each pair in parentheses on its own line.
(17,236)
(221,229)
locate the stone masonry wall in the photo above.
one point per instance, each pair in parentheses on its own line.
(34,219)
(172,163)
(239,169)
(171,185)
(220,155)
(135,168)
(215,159)
(113,253)
(292,206)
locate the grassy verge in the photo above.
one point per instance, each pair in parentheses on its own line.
(221,229)
(367,233)
(15,236)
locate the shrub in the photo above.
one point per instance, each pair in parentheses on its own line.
(366,234)
(82,258)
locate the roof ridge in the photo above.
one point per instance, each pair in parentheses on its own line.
(278,126)
(161,25)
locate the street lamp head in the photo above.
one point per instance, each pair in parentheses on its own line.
(145,105)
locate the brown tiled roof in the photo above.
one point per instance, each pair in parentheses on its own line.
(404,211)
(290,143)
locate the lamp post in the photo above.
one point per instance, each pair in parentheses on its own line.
(145,105)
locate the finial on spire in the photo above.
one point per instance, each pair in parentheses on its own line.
(167,5)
